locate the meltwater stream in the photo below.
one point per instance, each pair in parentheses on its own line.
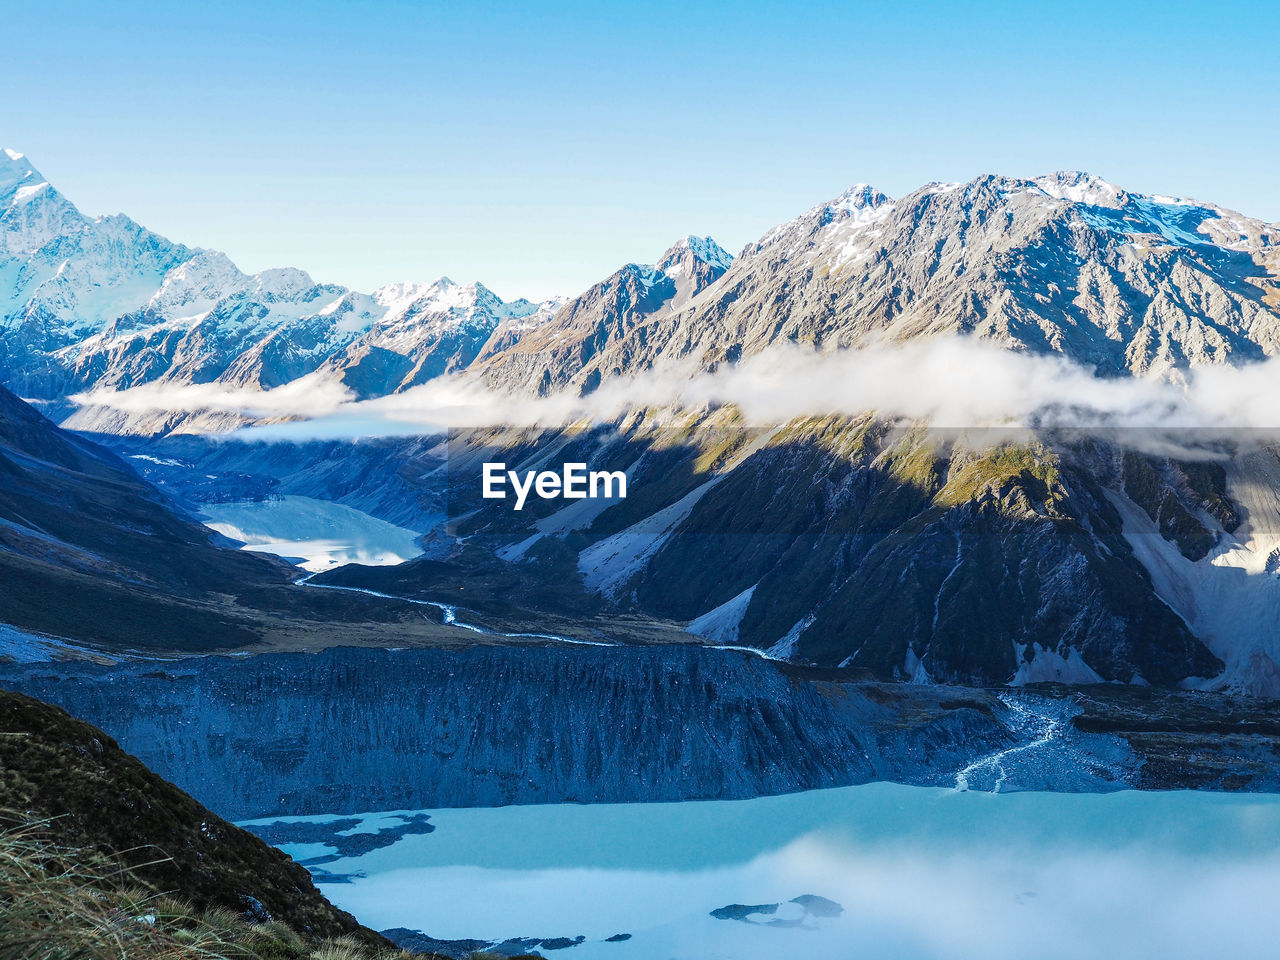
(449,614)
(881,871)
(1036,722)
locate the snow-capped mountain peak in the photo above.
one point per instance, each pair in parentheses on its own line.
(31,211)
(1156,219)
(15,170)
(446,295)
(856,207)
(397,296)
(691,263)
(282,283)
(118,306)
(195,286)
(1080,187)
(703,248)
(20,182)
(860,196)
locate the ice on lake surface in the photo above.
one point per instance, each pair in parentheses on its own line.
(920,873)
(319,533)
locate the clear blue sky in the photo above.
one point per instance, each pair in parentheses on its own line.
(538,146)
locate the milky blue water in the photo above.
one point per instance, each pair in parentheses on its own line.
(920,872)
(316,534)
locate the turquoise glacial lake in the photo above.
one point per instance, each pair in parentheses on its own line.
(916,872)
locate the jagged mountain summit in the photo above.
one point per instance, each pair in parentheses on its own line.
(606,314)
(1064,264)
(90,303)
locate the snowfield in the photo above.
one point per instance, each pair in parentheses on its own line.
(1231,598)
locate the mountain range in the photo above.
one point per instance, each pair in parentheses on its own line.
(103,303)
(1064,264)
(838,541)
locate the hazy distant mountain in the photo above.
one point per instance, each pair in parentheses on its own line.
(102,302)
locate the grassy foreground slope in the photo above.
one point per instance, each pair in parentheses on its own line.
(100,857)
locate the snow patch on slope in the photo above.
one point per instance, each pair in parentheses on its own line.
(1175,220)
(720,625)
(580,514)
(1079,187)
(1231,598)
(607,566)
(785,648)
(1050,666)
(914,669)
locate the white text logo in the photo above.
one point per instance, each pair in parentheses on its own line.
(573,482)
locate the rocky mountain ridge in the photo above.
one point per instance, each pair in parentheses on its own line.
(1065,264)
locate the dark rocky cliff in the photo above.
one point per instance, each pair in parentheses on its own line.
(358,729)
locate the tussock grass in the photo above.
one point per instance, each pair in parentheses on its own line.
(61,903)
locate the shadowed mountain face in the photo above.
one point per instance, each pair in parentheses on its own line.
(91,552)
(76,494)
(905,553)
(80,532)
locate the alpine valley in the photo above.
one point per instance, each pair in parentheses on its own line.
(242,530)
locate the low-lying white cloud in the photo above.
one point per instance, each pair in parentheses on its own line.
(310,397)
(951,382)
